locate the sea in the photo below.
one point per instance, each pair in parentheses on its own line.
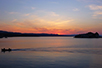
(51,52)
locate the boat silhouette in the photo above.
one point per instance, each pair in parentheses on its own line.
(3,50)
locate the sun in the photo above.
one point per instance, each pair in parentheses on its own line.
(58,33)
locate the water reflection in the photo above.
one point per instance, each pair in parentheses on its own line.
(59,49)
(39,59)
(48,52)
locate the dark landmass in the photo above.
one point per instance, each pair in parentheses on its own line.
(88,35)
(6,34)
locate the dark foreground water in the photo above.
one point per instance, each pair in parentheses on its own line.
(51,52)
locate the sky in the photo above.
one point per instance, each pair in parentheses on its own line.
(51,16)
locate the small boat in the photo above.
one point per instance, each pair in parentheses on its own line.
(3,50)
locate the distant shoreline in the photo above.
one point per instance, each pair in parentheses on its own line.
(6,34)
(37,36)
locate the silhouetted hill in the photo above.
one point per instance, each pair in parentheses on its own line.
(8,34)
(88,35)
(16,34)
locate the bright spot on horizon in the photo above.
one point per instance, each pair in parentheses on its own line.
(58,33)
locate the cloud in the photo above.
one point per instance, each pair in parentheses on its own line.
(75,9)
(30,27)
(26,14)
(32,8)
(14,20)
(55,2)
(47,13)
(38,25)
(91,1)
(13,12)
(53,14)
(97,13)
(95,7)
(55,30)
(35,23)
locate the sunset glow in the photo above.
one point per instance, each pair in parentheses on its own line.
(51,16)
(58,33)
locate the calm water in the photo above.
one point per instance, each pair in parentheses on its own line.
(51,52)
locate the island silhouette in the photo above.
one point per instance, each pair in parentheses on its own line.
(88,35)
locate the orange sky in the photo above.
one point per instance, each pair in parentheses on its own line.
(56,17)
